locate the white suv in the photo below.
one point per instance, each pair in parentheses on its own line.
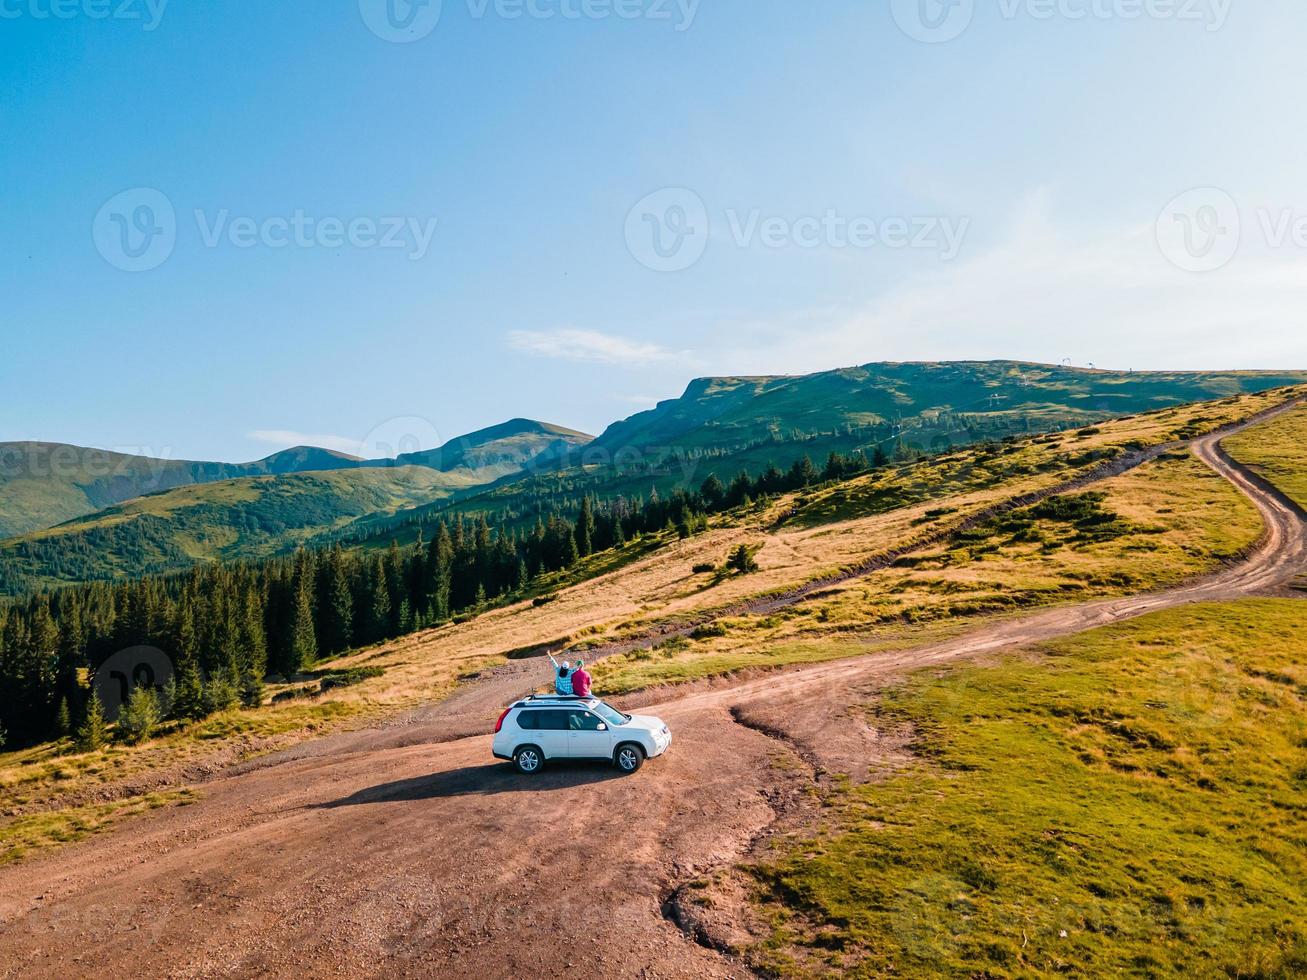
(541,728)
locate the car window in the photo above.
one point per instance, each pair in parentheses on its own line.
(611,715)
(583,721)
(543,721)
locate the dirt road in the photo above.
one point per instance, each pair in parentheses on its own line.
(408,851)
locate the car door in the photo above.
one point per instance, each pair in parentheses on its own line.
(547,729)
(588,737)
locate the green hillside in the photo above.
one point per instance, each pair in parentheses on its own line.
(43,484)
(47,483)
(723,425)
(244,518)
(930,399)
(255,516)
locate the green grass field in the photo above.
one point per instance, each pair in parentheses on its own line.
(1278,451)
(1126,802)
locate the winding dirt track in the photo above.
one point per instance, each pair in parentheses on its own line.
(410,851)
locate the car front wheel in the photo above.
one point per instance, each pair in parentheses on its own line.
(528,760)
(629,757)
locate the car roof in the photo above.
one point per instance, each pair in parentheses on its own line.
(555,701)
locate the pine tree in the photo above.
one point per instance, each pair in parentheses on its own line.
(72,647)
(713,493)
(440,560)
(187,697)
(338,632)
(304,642)
(221,694)
(802,473)
(585,528)
(254,640)
(380,602)
(741,560)
(64,719)
(94,732)
(140,716)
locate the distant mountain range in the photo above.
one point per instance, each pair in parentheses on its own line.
(119,515)
(43,484)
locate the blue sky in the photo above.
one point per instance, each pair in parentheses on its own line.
(1116,182)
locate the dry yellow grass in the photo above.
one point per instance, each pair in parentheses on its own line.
(1183,521)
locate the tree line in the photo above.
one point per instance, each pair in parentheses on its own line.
(227,627)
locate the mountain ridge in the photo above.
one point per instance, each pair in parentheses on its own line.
(44,484)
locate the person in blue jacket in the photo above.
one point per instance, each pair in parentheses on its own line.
(562,676)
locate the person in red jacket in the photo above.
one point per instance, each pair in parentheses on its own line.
(581,680)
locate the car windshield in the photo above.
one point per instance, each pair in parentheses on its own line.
(610,715)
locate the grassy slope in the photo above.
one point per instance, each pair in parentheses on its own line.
(1130,801)
(723,425)
(1175,519)
(1278,452)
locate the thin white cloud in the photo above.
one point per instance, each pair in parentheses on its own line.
(1107,296)
(286,438)
(591,346)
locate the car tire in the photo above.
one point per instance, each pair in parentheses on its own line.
(629,757)
(529,760)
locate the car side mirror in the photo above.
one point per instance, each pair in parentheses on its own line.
(602,727)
